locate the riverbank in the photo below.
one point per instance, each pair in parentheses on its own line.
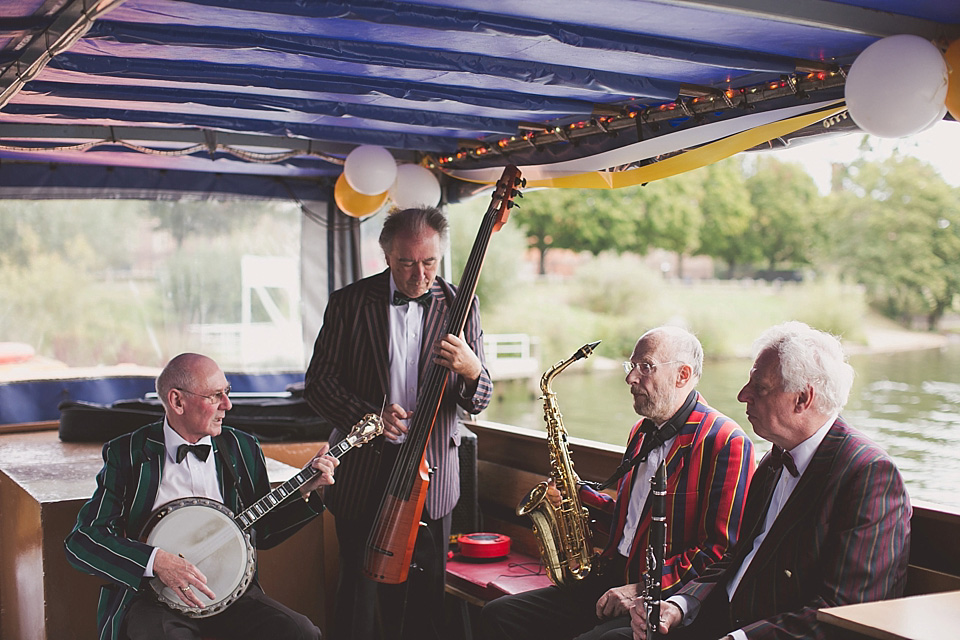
(883,336)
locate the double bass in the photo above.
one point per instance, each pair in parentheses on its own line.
(390,546)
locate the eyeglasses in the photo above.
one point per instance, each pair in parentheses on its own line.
(216,397)
(645,368)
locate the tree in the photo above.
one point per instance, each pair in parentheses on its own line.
(579,219)
(786,202)
(673,215)
(727,213)
(900,229)
(184,219)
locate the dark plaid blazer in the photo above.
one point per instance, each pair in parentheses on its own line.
(709,468)
(105,541)
(349,376)
(842,537)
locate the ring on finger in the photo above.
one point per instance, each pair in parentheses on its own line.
(185,589)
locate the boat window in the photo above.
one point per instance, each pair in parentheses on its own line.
(120,285)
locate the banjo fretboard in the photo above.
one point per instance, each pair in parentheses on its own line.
(365,431)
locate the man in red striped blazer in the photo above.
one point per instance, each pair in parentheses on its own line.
(827,520)
(709,462)
(379,336)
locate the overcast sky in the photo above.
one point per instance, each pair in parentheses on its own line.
(939,146)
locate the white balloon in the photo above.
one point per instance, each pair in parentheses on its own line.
(937,118)
(896,86)
(370,170)
(415,186)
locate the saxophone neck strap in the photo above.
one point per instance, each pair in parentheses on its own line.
(653,438)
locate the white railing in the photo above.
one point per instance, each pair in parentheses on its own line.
(511,355)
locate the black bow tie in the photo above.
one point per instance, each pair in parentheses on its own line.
(399,299)
(783,459)
(199,450)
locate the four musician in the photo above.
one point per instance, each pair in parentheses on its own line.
(190,453)
(833,529)
(379,335)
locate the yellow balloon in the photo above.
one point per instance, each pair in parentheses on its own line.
(356,204)
(953,79)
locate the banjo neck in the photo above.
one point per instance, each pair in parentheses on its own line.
(363,432)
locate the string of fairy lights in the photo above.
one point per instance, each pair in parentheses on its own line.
(693,102)
(692,106)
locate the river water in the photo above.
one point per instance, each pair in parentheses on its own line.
(907,402)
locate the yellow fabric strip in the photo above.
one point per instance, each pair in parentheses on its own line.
(689,160)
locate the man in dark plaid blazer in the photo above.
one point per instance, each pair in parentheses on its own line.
(144,470)
(827,520)
(378,339)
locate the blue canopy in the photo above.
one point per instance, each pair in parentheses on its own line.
(238,95)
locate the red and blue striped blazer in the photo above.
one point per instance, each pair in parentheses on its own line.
(709,468)
(349,376)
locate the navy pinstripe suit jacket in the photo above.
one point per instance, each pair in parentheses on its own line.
(348,377)
(842,537)
(104,541)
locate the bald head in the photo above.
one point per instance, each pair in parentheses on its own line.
(183,372)
(677,344)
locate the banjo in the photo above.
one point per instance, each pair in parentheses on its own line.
(208,535)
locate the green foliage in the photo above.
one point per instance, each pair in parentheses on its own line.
(54,304)
(727,215)
(84,281)
(583,220)
(504,256)
(673,214)
(726,316)
(899,234)
(617,285)
(785,198)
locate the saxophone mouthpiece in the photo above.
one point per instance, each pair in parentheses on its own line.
(587,349)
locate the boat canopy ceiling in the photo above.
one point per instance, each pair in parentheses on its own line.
(178,93)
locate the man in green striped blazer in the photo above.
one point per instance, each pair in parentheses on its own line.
(166,461)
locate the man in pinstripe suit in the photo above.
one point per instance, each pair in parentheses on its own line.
(709,463)
(190,453)
(379,336)
(827,520)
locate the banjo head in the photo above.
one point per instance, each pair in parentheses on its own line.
(204,533)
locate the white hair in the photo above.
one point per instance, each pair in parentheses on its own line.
(811,357)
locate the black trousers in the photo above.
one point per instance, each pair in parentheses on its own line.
(411,610)
(252,617)
(555,613)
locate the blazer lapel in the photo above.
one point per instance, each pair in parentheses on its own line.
(374,314)
(434,325)
(147,468)
(806,496)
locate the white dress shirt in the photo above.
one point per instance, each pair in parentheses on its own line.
(406,329)
(639,493)
(191,477)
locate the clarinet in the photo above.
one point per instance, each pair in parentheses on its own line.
(653,577)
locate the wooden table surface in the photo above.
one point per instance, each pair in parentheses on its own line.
(934,616)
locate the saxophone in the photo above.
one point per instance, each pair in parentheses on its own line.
(563,533)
